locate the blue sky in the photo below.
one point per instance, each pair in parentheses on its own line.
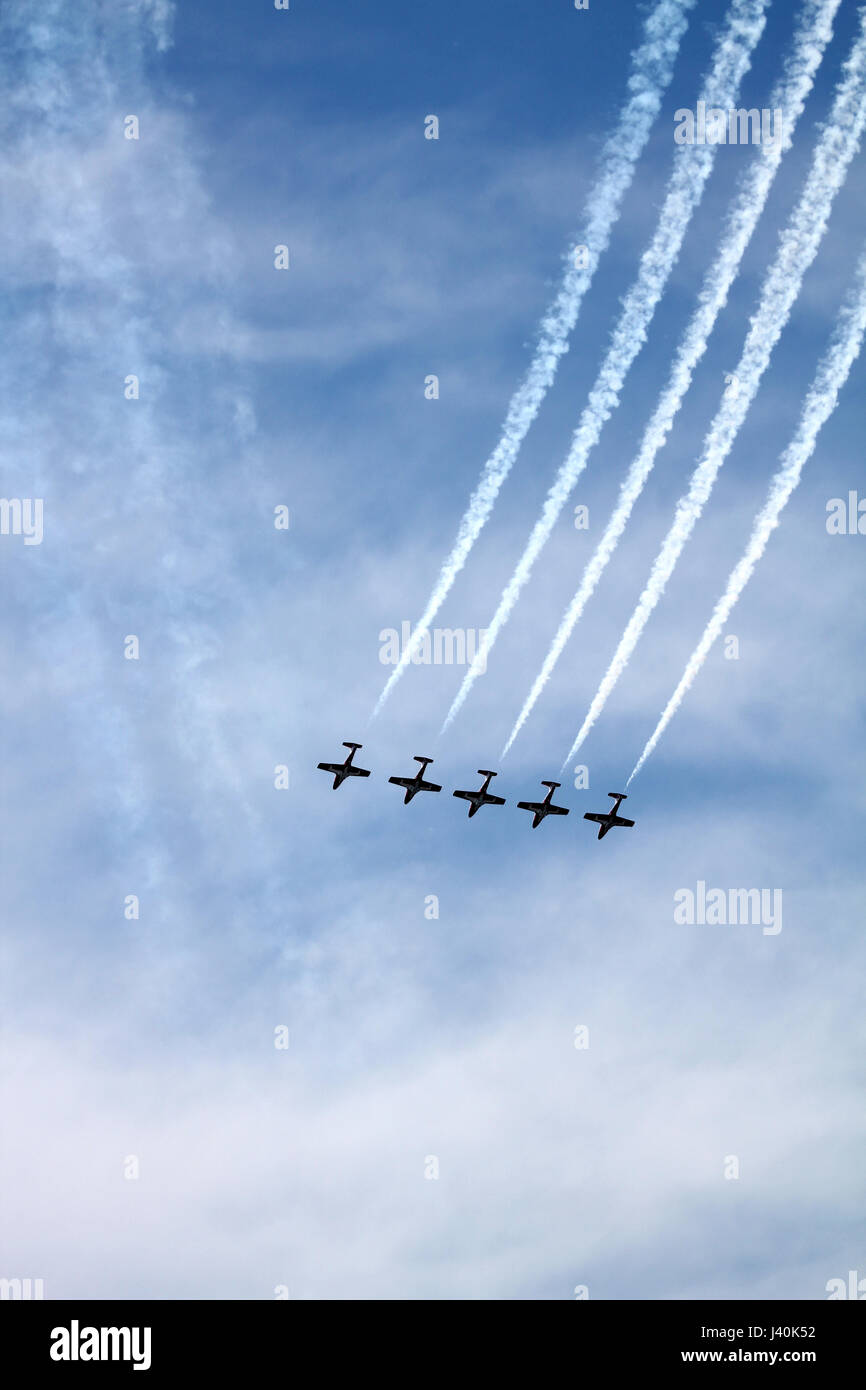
(259,907)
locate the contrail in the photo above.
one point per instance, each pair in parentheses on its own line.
(837,145)
(789,96)
(652,69)
(692,167)
(818,407)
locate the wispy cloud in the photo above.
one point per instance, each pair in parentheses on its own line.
(409,1036)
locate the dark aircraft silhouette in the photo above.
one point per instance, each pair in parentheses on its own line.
(343,770)
(545,807)
(416,784)
(482,797)
(607,820)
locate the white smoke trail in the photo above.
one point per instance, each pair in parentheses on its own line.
(692,167)
(837,145)
(818,407)
(652,69)
(788,96)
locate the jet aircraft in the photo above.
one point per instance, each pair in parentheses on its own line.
(608,819)
(416,784)
(545,807)
(347,769)
(481,797)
